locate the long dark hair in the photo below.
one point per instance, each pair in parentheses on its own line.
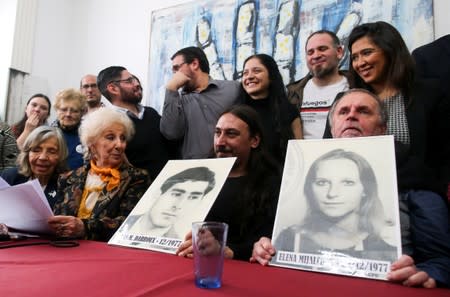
(18,127)
(262,168)
(277,97)
(399,62)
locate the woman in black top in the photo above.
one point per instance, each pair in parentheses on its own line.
(266,93)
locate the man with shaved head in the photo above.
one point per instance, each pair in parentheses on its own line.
(89,88)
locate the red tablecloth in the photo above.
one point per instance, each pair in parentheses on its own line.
(96,269)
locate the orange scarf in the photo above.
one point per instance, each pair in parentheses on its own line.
(111,176)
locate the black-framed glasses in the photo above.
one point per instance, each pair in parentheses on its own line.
(130,80)
(176,67)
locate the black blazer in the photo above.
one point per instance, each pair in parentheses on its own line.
(13,177)
(429,123)
(432,59)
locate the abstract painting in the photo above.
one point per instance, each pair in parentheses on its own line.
(231,30)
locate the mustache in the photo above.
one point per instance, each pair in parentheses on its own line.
(319,60)
(223,149)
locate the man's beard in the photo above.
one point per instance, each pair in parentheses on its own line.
(223,149)
(131,97)
(323,72)
(229,152)
(189,88)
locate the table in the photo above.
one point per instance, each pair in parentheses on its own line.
(97,269)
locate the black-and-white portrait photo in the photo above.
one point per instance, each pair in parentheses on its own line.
(182,193)
(344,212)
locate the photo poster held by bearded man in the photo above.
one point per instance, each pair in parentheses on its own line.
(338,207)
(181,194)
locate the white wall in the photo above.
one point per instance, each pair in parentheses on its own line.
(74,38)
(441,19)
(7,21)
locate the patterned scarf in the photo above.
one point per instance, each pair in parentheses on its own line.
(110,176)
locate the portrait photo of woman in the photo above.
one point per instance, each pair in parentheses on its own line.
(344,214)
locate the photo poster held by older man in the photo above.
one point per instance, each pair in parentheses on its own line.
(182,193)
(338,207)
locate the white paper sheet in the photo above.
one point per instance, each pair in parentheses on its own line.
(25,207)
(3,184)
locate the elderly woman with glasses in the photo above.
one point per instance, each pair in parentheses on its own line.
(96,198)
(70,106)
(43,157)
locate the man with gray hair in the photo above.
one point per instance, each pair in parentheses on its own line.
(423,213)
(358,113)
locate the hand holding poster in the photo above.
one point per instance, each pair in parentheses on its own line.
(343,218)
(182,193)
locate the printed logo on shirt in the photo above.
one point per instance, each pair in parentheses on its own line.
(314,103)
(315,106)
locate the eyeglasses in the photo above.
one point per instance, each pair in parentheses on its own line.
(87,86)
(69,110)
(130,80)
(177,67)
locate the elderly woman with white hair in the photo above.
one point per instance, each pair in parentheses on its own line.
(43,157)
(96,198)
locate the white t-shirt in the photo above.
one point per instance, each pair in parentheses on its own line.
(316,104)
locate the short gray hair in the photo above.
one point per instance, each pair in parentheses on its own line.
(96,122)
(70,95)
(382,112)
(35,138)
